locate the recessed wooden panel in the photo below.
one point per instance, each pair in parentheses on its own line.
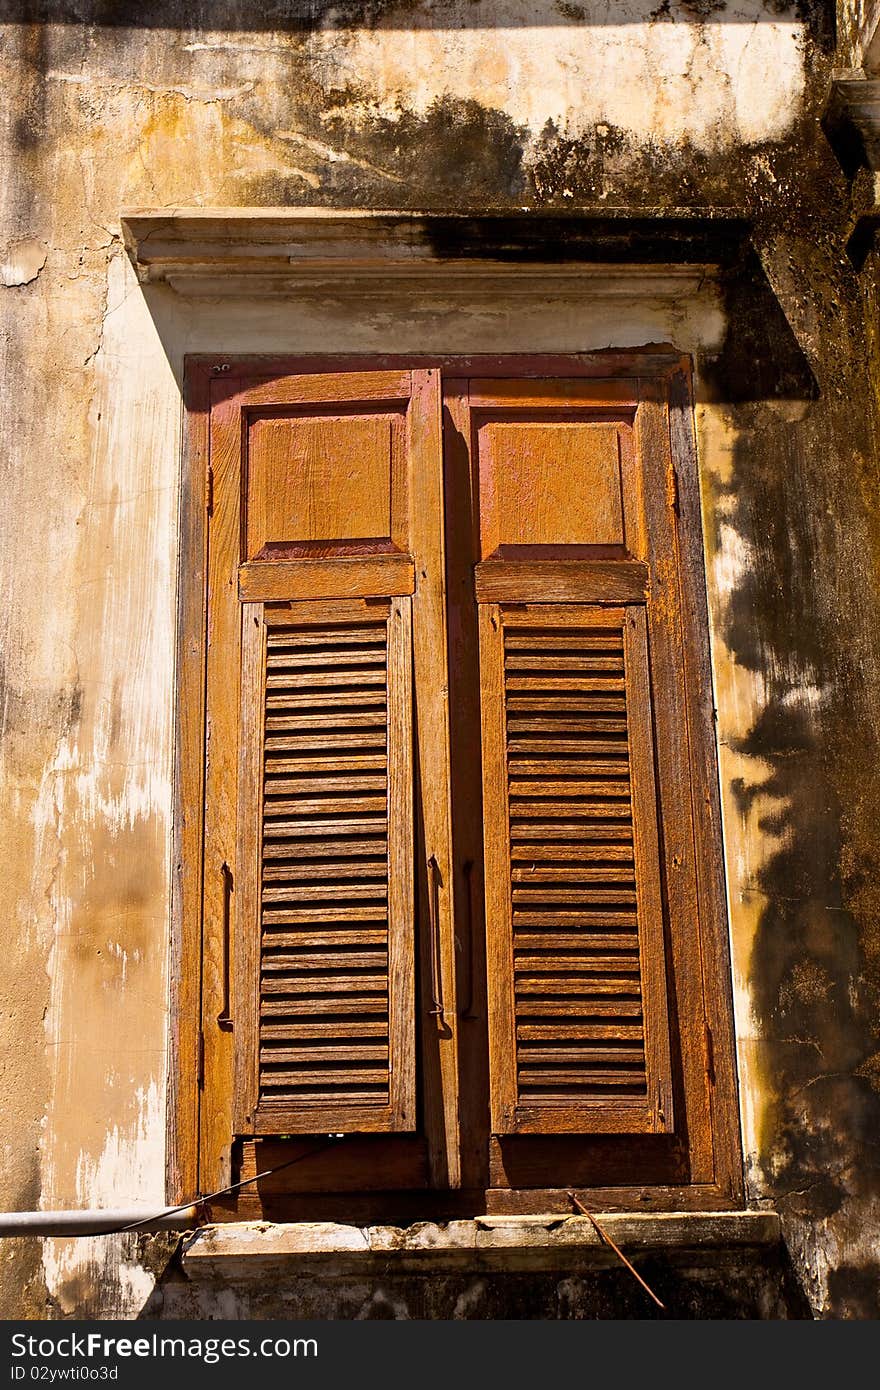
(320,480)
(549,483)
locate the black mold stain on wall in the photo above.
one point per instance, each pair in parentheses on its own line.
(22,1287)
(728,1284)
(802,498)
(459,150)
(288,15)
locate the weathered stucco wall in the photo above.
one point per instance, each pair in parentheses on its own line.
(471,104)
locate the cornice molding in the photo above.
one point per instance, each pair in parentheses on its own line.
(852,124)
(236,252)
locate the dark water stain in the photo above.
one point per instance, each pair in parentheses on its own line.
(803,619)
(457,153)
(54,715)
(22,1285)
(30,51)
(816,15)
(728,1284)
(855,1290)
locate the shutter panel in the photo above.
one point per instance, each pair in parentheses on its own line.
(329,872)
(578,1019)
(324,926)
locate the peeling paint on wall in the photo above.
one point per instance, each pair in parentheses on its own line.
(22,262)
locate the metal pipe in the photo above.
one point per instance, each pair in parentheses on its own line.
(95,1223)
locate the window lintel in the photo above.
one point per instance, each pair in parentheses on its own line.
(275,252)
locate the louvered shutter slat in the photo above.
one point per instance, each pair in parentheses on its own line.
(578,1024)
(333,945)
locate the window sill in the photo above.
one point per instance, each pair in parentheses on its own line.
(255,1250)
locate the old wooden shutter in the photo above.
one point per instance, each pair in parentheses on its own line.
(354,930)
(579,1033)
(325,934)
(576,931)
(326,855)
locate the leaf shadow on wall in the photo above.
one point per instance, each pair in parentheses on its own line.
(800,619)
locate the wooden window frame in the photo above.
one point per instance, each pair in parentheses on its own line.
(664,378)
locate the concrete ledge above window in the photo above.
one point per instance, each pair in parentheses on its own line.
(852,125)
(234,252)
(255,1250)
(852,121)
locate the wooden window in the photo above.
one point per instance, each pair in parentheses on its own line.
(457,890)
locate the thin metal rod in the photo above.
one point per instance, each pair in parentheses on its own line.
(224,1018)
(434,925)
(606,1239)
(204,1202)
